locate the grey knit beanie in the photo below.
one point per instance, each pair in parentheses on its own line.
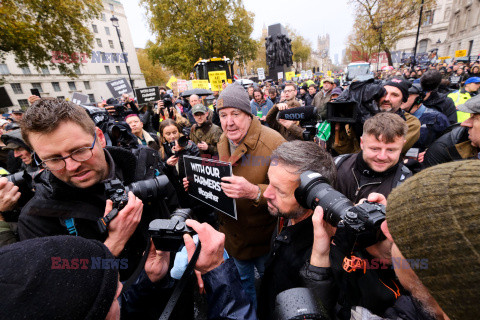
(234,96)
(435,215)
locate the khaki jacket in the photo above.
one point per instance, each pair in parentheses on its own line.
(249,236)
(320,102)
(211,137)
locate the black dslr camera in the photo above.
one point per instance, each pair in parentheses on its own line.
(167,234)
(146,190)
(363,220)
(182,142)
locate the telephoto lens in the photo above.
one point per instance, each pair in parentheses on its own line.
(298,303)
(363,220)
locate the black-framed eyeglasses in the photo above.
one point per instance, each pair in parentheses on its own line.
(79,155)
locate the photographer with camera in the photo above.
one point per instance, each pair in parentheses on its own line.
(289,129)
(144,138)
(70,195)
(98,294)
(373,97)
(420,248)
(166,110)
(293,238)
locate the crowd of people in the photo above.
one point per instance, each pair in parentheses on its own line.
(409,132)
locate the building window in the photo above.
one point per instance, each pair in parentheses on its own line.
(107,31)
(17,88)
(26,70)
(428,18)
(104,17)
(23,103)
(56,86)
(422,46)
(107,70)
(91,97)
(4,69)
(112,8)
(72,86)
(87,85)
(467,18)
(99,42)
(110,43)
(95,28)
(45,70)
(61,97)
(77,70)
(119,70)
(455,24)
(37,85)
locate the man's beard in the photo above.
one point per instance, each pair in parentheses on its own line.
(294,214)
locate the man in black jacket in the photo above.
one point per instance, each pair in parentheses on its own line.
(292,239)
(434,100)
(462,142)
(70,194)
(377,168)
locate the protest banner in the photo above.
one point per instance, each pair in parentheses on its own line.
(261,74)
(200,84)
(182,85)
(119,87)
(79,98)
(289,75)
(5,100)
(280,75)
(217,78)
(204,176)
(148,94)
(170,81)
(460,53)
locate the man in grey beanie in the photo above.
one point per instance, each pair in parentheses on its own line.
(248,146)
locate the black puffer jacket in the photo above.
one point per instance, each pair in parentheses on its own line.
(442,103)
(452,146)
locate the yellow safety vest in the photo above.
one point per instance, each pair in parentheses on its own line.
(460,98)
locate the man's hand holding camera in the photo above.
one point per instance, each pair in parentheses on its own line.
(122,227)
(9,195)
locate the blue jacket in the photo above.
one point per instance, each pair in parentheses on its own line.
(225,296)
(265,107)
(433,124)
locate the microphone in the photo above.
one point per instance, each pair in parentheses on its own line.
(297,114)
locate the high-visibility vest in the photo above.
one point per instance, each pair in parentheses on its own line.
(460,98)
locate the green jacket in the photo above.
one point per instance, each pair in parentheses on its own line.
(210,133)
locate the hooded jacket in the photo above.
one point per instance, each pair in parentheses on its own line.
(442,103)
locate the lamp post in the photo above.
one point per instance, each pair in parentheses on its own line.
(117,26)
(418,33)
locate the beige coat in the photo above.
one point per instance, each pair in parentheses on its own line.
(249,236)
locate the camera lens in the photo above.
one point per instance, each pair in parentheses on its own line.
(149,189)
(315,190)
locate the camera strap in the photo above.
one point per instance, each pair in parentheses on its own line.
(181,285)
(139,268)
(178,288)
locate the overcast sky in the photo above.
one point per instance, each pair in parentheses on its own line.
(310,18)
